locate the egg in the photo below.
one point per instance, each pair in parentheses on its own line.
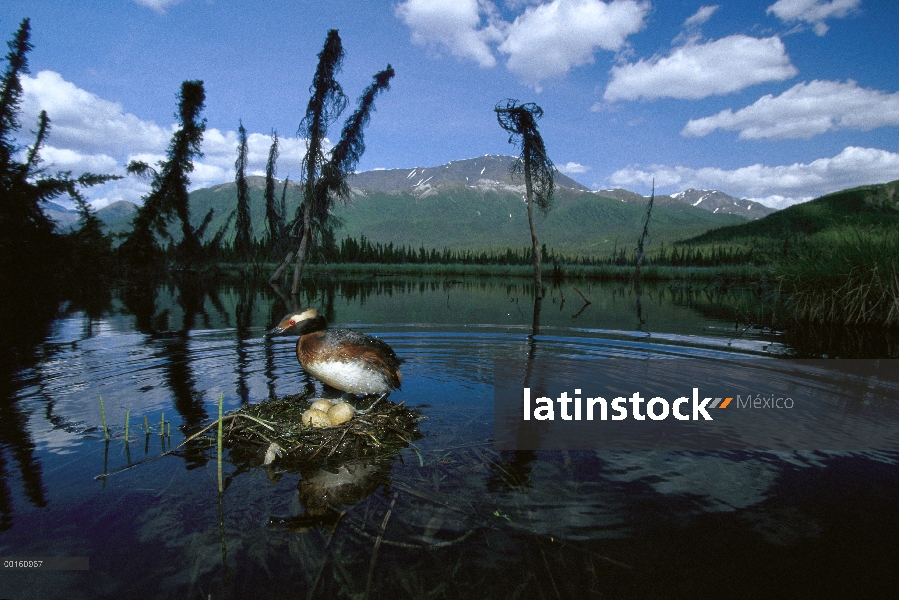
(341,413)
(315,418)
(322,405)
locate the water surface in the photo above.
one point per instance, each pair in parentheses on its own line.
(449,516)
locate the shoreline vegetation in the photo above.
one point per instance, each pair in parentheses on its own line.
(602,272)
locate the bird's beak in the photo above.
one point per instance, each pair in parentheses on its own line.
(277,330)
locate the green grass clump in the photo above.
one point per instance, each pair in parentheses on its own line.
(845,276)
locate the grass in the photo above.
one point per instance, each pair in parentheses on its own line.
(103,418)
(844,275)
(599,272)
(847,276)
(218,439)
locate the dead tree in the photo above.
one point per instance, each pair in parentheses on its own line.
(520,120)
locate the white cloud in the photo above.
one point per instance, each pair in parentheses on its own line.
(691,31)
(64,159)
(813,12)
(805,110)
(454,25)
(545,41)
(697,71)
(220,154)
(572,168)
(549,40)
(782,184)
(701,16)
(158,5)
(129,189)
(92,124)
(91,134)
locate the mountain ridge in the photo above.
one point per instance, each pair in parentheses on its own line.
(712,200)
(473,204)
(862,208)
(490,169)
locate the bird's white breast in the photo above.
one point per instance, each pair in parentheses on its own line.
(353,377)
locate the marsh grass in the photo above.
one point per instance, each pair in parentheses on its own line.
(598,272)
(103,419)
(847,276)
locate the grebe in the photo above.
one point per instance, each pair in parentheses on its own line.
(342,358)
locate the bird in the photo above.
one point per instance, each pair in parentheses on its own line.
(344,359)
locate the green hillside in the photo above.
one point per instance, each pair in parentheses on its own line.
(457,216)
(862,207)
(117,216)
(835,256)
(223,198)
(462,217)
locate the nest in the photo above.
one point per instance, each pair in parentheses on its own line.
(272,431)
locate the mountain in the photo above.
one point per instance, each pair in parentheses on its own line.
(862,207)
(459,216)
(65,218)
(711,200)
(117,216)
(474,204)
(489,172)
(467,204)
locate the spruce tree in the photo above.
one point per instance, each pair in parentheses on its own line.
(324,179)
(11,94)
(274,221)
(29,245)
(168,196)
(243,240)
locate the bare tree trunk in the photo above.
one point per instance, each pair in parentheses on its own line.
(638,262)
(538,282)
(277,275)
(301,258)
(287,302)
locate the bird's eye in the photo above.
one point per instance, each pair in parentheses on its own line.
(292,322)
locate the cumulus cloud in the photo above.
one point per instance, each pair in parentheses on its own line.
(545,41)
(465,28)
(813,12)
(220,153)
(86,121)
(805,110)
(697,71)
(65,159)
(691,30)
(91,134)
(773,185)
(572,168)
(549,40)
(158,5)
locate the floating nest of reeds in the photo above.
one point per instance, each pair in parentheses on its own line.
(272,432)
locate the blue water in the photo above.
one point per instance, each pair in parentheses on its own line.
(449,516)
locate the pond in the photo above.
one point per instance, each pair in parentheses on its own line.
(449,516)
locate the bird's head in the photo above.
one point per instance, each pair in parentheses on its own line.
(299,323)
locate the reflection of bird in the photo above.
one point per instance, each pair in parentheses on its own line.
(342,358)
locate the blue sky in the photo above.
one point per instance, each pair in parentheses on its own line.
(778,101)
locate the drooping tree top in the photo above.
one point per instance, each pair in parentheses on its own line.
(11,89)
(349,149)
(326,102)
(520,120)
